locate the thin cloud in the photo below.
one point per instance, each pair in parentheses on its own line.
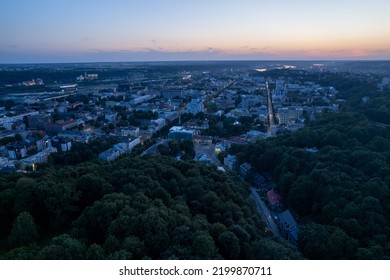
(213,50)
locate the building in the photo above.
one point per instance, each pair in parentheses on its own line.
(249,101)
(262,110)
(245,169)
(17,151)
(18,126)
(259,180)
(15,118)
(170,93)
(280,90)
(134,143)
(129,131)
(39,121)
(62,144)
(113,153)
(274,199)
(109,155)
(29,83)
(92,76)
(157,123)
(224,103)
(237,113)
(195,106)
(44,143)
(279,94)
(119,149)
(75,135)
(253,135)
(140,99)
(230,162)
(111,117)
(203,139)
(179,133)
(61,126)
(295,113)
(6,164)
(219,148)
(287,115)
(202,158)
(169,115)
(283,116)
(288,227)
(40,157)
(385,83)
(238,140)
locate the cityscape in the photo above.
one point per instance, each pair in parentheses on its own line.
(194,131)
(206,113)
(134,111)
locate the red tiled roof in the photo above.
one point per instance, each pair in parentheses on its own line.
(273,197)
(61,124)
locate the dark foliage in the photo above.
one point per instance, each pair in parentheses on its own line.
(134,208)
(342,192)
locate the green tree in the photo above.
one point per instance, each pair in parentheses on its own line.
(95,252)
(188,147)
(163,150)
(268,249)
(24,231)
(203,246)
(120,255)
(22,253)
(229,245)
(63,247)
(221,156)
(18,137)
(90,187)
(174,147)
(135,246)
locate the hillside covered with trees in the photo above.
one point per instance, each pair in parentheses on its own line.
(340,190)
(134,208)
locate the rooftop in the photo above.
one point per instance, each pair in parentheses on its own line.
(287,220)
(273,197)
(179,129)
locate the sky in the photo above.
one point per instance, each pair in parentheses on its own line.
(44,31)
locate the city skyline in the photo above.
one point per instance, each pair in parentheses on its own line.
(45,31)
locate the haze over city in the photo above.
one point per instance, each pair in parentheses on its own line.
(115,30)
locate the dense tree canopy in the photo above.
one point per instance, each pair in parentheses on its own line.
(341,192)
(134,208)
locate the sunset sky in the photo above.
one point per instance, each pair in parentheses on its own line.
(154,30)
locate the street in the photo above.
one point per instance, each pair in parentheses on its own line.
(261,206)
(153,149)
(271,115)
(264,212)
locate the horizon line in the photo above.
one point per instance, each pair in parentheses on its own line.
(206,60)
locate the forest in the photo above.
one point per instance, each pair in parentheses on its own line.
(340,191)
(133,208)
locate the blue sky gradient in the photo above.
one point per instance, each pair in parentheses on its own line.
(150,30)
